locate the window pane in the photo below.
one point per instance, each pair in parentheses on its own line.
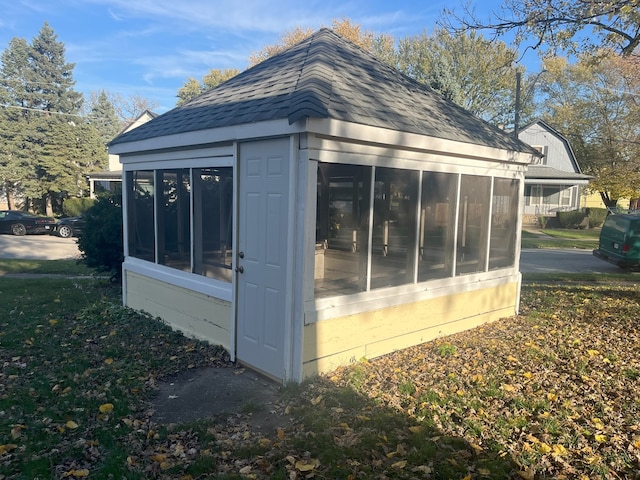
(437,214)
(473,222)
(551,196)
(140,217)
(213,196)
(394,227)
(504,218)
(174,220)
(342,225)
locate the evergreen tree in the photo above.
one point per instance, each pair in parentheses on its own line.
(15,61)
(46,146)
(103,117)
(13,73)
(50,79)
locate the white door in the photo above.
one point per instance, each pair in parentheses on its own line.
(261,262)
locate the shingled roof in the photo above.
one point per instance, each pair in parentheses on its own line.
(326,76)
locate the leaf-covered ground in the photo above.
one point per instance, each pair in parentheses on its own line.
(551,393)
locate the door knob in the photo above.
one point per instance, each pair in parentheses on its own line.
(241,254)
(240,269)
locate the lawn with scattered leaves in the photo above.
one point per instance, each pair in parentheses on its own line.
(551,393)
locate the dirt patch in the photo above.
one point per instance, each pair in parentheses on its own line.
(220,393)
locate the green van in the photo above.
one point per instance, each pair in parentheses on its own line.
(620,241)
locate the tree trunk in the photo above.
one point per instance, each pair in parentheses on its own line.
(48,205)
(11,201)
(608,202)
(8,191)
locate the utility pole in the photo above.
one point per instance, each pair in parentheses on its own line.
(516,121)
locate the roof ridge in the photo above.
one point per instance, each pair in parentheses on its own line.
(326,76)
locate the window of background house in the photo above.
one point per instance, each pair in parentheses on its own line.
(504,218)
(437,215)
(473,224)
(213,200)
(140,214)
(394,226)
(174,219)
(342,229)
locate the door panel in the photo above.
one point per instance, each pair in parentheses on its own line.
(263,205)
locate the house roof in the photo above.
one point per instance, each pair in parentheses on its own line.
(558,135)
(543,172)
(326,76)
(138,120)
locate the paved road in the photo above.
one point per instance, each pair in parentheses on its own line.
(563,261)
(47,247)
(38,247)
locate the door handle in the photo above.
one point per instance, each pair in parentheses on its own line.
(240,269)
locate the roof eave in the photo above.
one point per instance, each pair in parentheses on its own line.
(383,136)
(271,128)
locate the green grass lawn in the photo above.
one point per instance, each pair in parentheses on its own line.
(561,238)
(54,267)
(550,393)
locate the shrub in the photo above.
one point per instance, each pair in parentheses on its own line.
(597,217)
(74,206)
(542,221)
(571,219)
(101,243)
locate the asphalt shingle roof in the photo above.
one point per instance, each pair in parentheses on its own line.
(548,173)
(326,76)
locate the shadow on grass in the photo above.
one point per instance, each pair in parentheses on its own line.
(328,430)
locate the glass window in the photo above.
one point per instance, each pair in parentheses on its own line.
(394,227)
(362,246)
(342,227)
(504,220)
(551,196)
(213,197)
(437,215)
(473,224)
(174,219)
(140,216)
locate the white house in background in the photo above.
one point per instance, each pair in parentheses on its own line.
(106,181)
(319,208)
(554,181)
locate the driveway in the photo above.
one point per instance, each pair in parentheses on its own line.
(38,247)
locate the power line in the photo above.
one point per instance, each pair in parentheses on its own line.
(8,81)
(42,111)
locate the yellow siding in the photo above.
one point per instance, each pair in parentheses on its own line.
(195,314)
(340,341)
(594,200)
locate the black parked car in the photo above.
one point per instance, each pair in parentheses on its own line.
(69,227)
(18,222)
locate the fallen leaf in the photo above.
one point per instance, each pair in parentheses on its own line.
(7,448)
(307,465)
(77,473)
(399,465)
(600,438)
(106,408)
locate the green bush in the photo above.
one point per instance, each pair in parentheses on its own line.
(571,219)
(101,243)
(74,206)
(597,217)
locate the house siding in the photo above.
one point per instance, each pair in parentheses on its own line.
(340,341)
(556,153)
(195,314)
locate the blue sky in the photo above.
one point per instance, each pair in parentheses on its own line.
(150,48)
